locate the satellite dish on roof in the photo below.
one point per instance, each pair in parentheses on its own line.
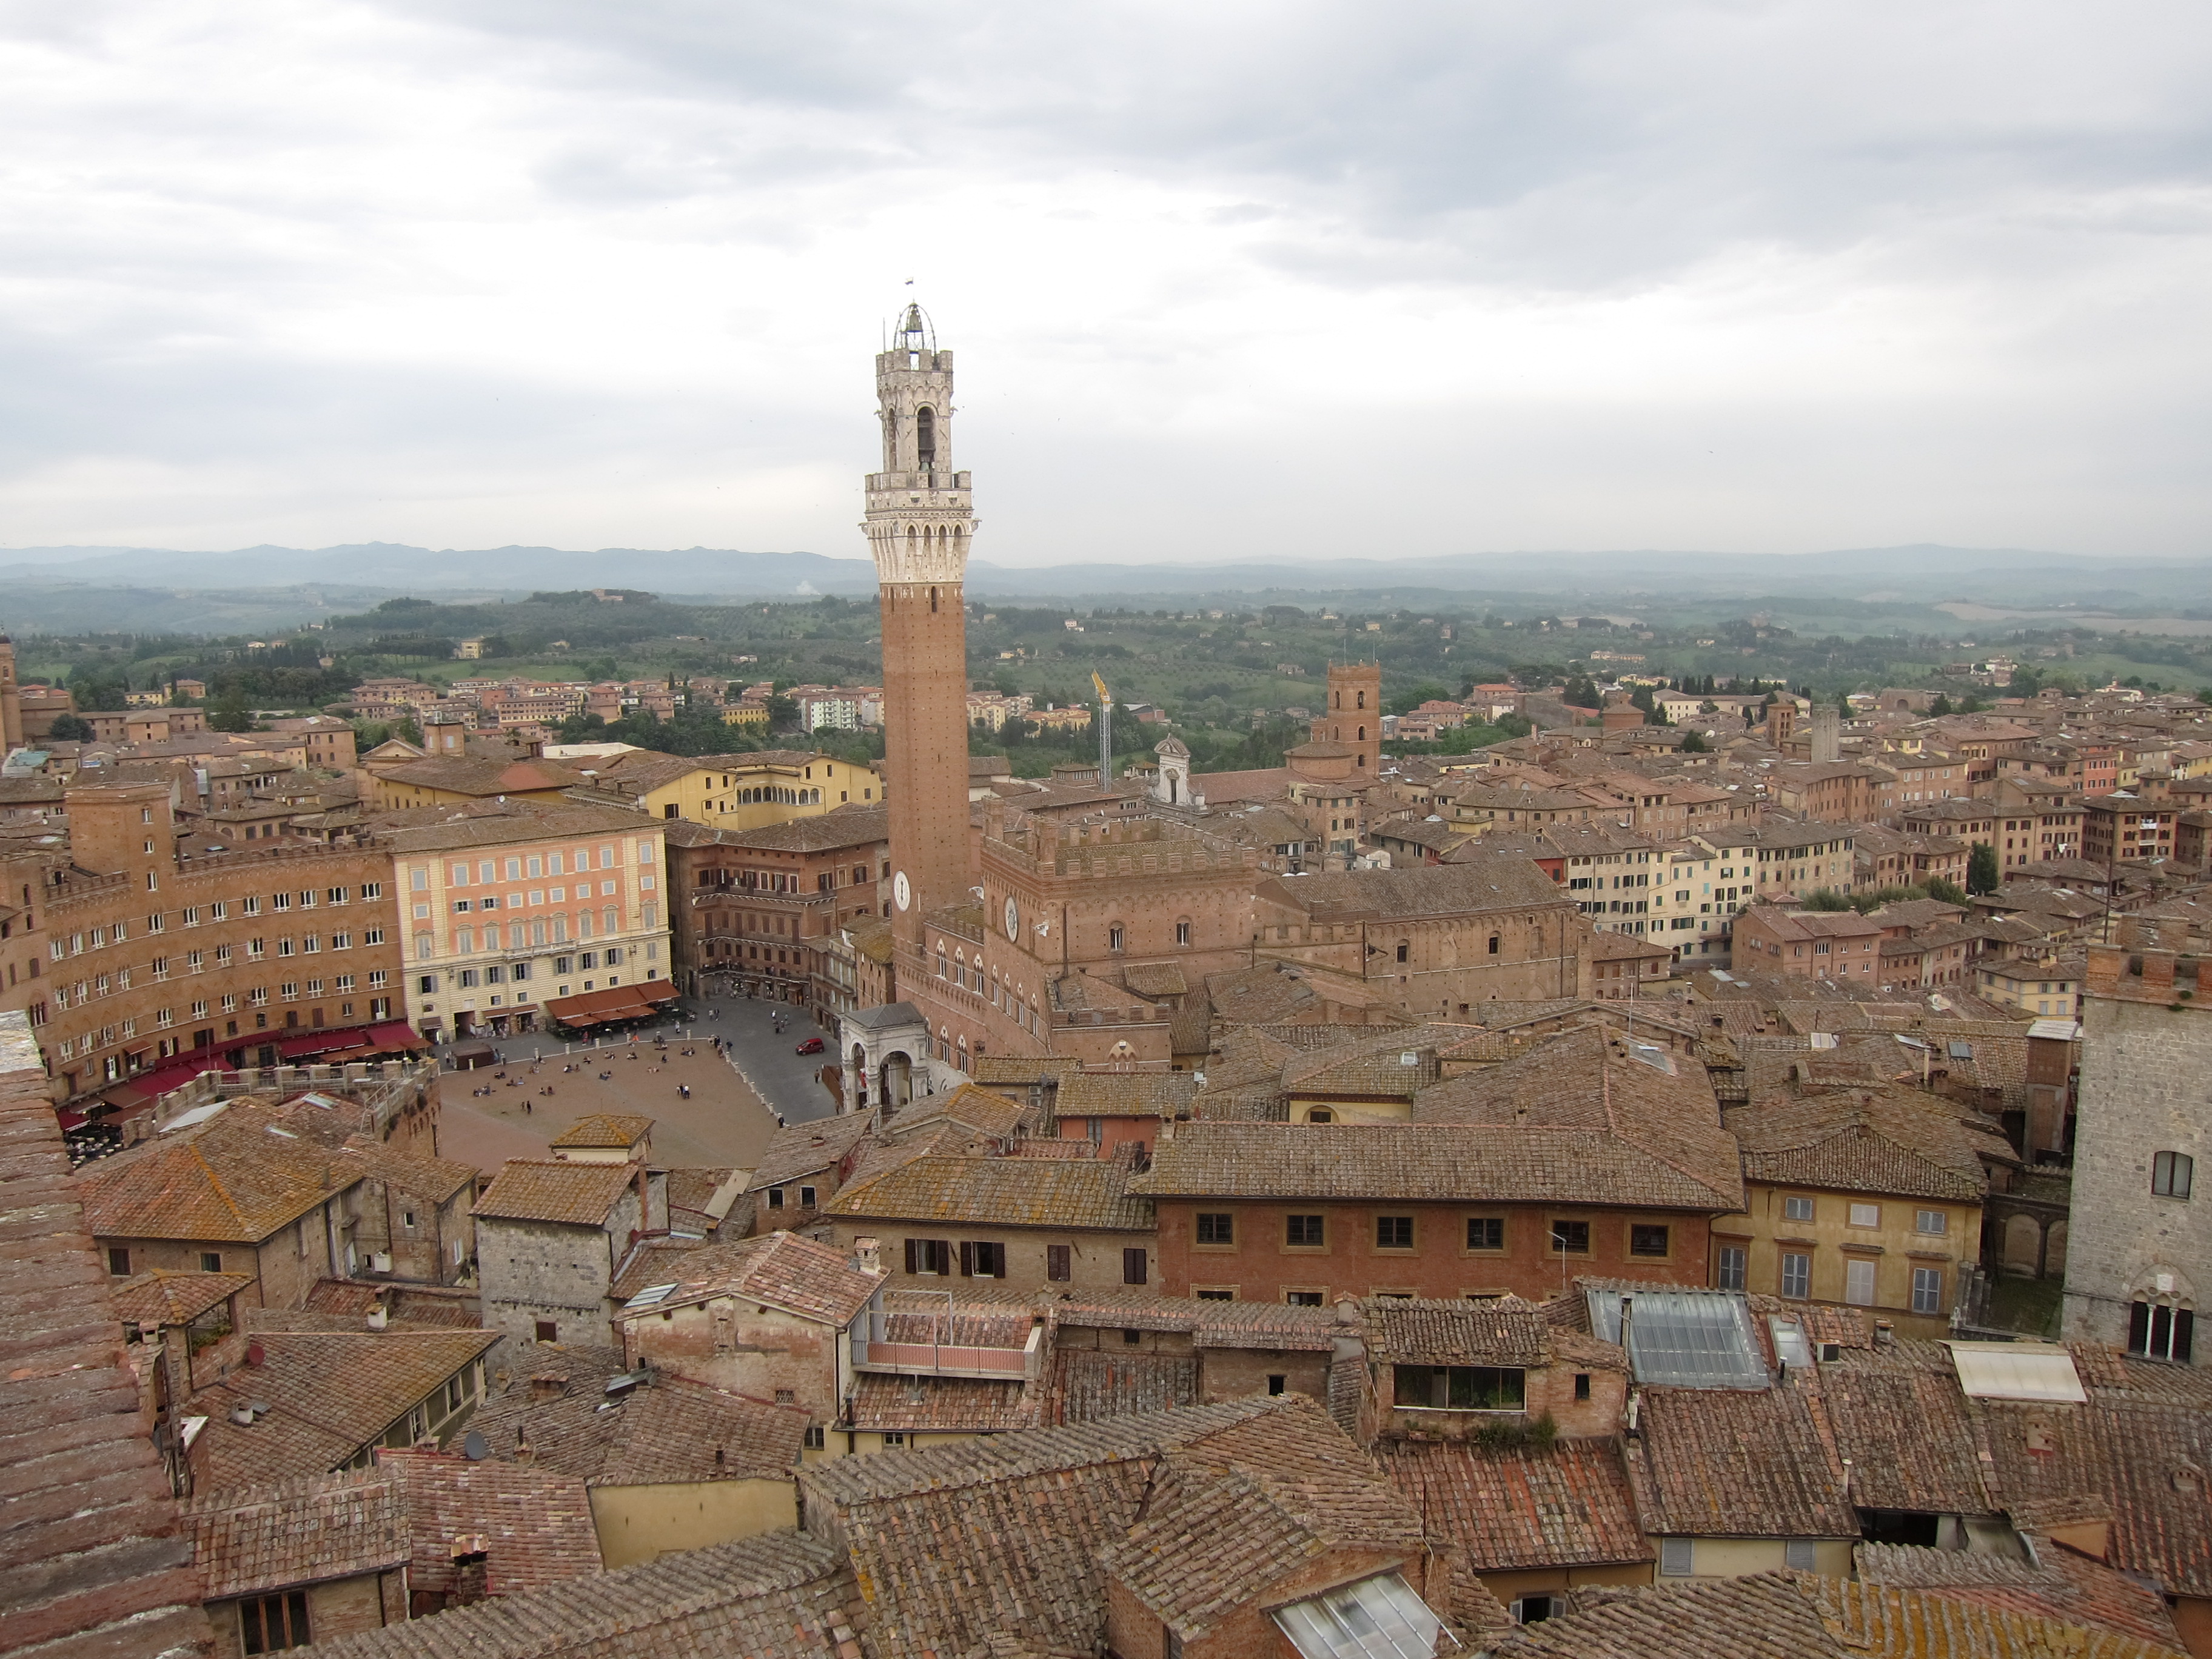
(473,1445)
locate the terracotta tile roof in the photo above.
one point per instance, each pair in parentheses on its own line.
(463,775)
(941,1138)
(1880,1140)
(536,1524)
(954,1404)
(979,1109)
(692,1194)
(604,1131)
(1091,1383)
(1504,1332)
(329,1394)
(1008,1071)
(849,825)
(1805,1616)
(1211,1324)
(1898,1415)
(800,1149)
(1424,1162)
(1731,1463)
(1426,891)
(779,1596)
(970,1322)
(1125,1094)
(951,1544)
(1259,996)
(435,1178)
(569,1193)
(1156,980)
(792,1272)
(1374,1063)
(419,1306)
(160,1298)
(1765,1616)
(1903,1624)
(2144,1454)
(233,1187)
(668,1431)
(2061,1583)
(849,1482)
(93,1558)
(1261,1499)
(1648,1104)
(1516,1511)
(1005,1192)
(296,1532)
(658,1259)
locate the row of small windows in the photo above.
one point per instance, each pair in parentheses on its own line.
(1396,1232)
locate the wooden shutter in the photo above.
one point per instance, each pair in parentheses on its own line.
(910,1244)
(967,1259)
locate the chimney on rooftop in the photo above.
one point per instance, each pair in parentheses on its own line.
(868,1255)
(2158,970)
(2107,964)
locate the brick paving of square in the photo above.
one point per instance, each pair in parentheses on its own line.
(722,1124)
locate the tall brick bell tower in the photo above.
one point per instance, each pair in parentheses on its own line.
(919,524)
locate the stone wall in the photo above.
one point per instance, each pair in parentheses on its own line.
(2146,1088)
(537,1270)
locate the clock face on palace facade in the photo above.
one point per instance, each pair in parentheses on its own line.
(901,890)
(1013,921)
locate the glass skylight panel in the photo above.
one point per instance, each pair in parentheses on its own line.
(651,1295)
(1378,1618)
(1684,1338)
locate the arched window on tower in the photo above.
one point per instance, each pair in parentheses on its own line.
(925,435)
(1363,700)
(933,601)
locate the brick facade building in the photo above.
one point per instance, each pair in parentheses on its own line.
(762,907)
(128,954)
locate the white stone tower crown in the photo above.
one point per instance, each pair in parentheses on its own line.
(921,516)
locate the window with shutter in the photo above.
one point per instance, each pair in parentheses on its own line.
(1675,1554)
(1133,1267)
(1056,1263)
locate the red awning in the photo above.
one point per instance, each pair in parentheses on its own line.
(615,1002)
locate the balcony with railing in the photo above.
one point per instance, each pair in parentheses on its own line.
(927,1333)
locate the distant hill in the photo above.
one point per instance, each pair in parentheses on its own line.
(260,587)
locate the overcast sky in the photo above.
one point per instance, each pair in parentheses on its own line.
(1226,279)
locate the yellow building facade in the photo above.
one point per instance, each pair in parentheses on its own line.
(746,791)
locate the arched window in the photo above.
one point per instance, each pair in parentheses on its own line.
(2157,1331)
(1404,950)
(925,435)
(1493,945)
(1362,701)
(1320,1115)
(933,601)
(1363,734)
(2171,1175)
